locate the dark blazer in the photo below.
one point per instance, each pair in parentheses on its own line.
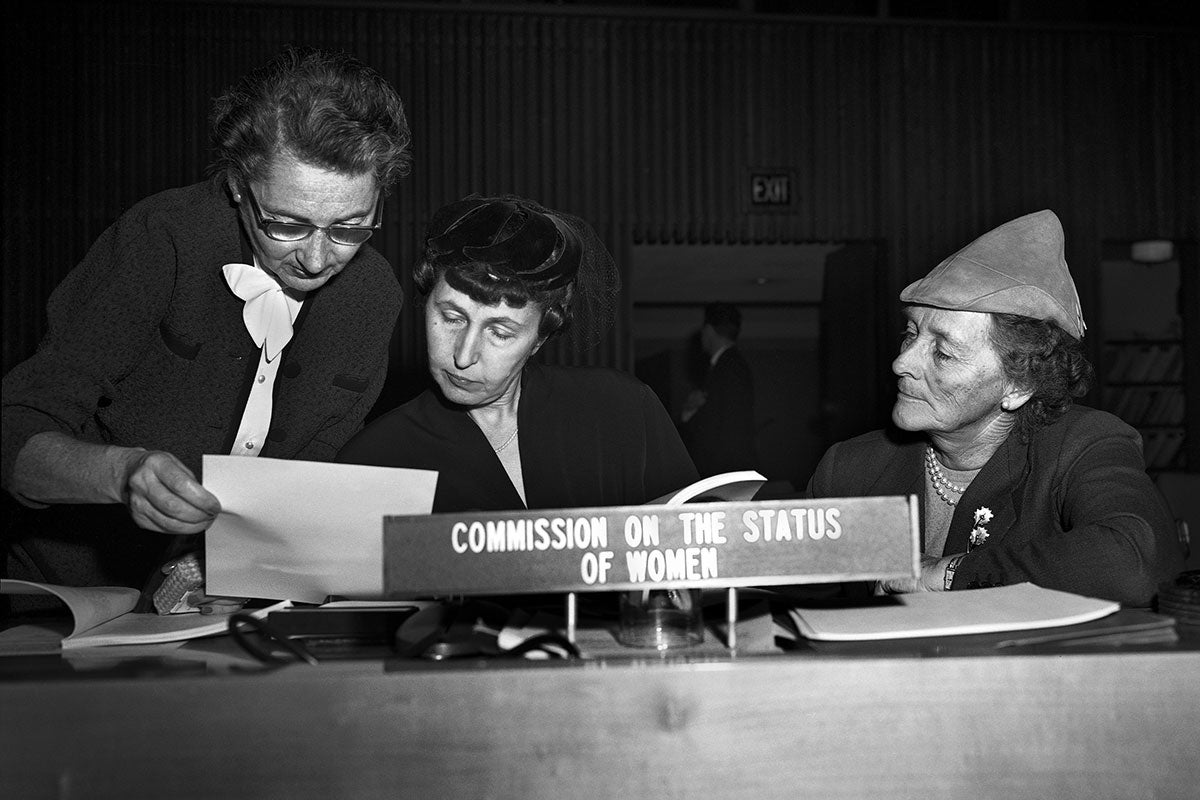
(146,347)
(588,437)
(720,435)
(1073,509)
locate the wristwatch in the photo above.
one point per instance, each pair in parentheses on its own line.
(950,567)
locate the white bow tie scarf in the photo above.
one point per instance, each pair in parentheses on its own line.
(269,312)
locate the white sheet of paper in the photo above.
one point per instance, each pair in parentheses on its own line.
(1015,607)
(302,530)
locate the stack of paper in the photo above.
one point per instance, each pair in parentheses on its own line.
(1021,606)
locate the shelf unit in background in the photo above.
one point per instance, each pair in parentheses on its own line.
(1149,345)
(1143,385)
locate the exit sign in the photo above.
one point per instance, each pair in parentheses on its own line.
(770,189)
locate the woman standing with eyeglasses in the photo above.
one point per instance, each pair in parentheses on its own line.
(242,315)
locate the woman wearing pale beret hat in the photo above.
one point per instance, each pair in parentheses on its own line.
(1017,482)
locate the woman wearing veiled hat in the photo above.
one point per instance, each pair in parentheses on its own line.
(500,276)
(1017,483)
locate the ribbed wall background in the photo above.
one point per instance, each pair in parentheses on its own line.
(921,136)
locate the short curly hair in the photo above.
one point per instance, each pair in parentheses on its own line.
(321,107)
(1041,357)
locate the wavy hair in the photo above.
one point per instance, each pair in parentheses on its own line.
(1041,357)
(477,281)
(323,108)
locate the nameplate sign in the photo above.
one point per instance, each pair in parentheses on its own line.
(640,547)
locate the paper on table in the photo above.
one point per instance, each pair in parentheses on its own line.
(301,530)
(130,629)
(102,616)
(89,605)
(1021,606)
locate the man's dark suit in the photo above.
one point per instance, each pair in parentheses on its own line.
(720,435)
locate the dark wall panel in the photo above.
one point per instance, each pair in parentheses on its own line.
(918,136)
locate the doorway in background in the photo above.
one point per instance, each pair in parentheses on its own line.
(810,332)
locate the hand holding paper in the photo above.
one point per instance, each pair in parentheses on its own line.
(300,530)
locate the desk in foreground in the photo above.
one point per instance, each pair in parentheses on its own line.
(1088,725)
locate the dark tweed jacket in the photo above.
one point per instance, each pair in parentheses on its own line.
(146,347)
(1073,509)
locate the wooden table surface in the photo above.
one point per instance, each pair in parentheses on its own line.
(1100,723)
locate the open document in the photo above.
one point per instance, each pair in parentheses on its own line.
(727,487)
(101,616)
(301,530)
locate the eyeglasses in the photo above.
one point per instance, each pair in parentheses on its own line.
(349,235)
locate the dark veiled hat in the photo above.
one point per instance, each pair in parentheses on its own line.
(1017,268)
(515,239)
(512,236)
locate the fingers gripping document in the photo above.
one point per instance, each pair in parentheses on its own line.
(301,530)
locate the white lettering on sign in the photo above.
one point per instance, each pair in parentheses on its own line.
(680,564)
(703,527)
(594,567)
(641,531)
(770,525)
(715,544)
(509,536)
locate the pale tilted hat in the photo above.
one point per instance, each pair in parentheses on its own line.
(1017,268)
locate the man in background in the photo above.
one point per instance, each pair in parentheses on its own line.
(718,419)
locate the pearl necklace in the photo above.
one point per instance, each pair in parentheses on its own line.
(507,441)
(941,484)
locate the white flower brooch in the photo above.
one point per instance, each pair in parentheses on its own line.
(979,534)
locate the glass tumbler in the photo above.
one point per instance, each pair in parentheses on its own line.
(663,619)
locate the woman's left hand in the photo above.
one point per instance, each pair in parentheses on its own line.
(931,579)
